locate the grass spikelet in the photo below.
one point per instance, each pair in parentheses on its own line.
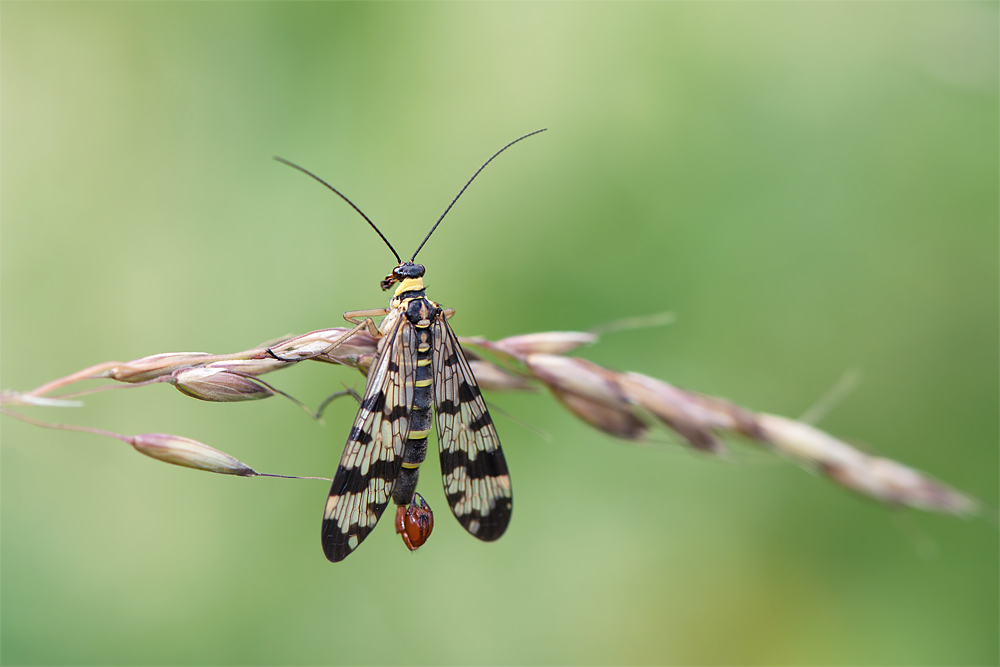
(219,385)
(622,404)
(180,451)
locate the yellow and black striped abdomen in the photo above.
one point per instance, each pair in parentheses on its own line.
(419,312)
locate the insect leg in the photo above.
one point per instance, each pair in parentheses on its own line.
(332,397)
(366,323)
(448,312)
(352,315)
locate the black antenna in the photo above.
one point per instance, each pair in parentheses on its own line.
(342,196)
(466,186)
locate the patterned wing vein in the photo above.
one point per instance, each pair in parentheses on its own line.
(370,464)
(473,468)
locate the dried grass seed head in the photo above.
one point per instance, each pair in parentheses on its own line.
(157,365)
(590,392)
(219,385)
(678,410)
(494,378)
(614,421)
(547,342)
(879,478)
(188,453)
(578,376)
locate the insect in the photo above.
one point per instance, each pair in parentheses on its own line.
(419,365)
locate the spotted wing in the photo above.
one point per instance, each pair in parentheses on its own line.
(370,464)
(472,465)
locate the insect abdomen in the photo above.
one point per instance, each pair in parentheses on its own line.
(420,312)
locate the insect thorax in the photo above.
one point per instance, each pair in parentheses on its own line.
(410,301)
(405,288)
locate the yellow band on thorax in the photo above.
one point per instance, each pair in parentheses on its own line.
(409,285)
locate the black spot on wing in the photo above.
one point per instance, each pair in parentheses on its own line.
(375,402)
(349,482)
(447,407)
(336,544)
(398,412)
(486,464)
(468,392)
(482,422)
(487,528)
(359,435)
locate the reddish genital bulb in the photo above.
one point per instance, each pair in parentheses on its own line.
(414,522)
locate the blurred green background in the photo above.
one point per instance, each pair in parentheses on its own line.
(811,188)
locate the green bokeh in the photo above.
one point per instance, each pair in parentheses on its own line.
(811,188)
